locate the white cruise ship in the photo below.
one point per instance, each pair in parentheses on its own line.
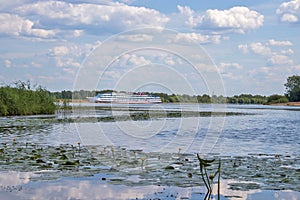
(115,97)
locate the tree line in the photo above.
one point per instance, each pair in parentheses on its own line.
(292,94)
(185,98)
(21,98)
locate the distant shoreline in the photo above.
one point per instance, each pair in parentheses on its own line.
(287,104)
(275,104)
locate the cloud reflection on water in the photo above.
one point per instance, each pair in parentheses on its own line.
(96,188)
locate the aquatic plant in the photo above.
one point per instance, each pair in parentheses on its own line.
(113,152)
(179,150)
(256,171)
(208,179)
(143,160)
(78,143)
(64,110)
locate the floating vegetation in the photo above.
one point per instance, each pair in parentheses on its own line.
(272,172)
(24,123)
(149,115)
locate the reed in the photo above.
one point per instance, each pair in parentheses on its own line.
(24,99)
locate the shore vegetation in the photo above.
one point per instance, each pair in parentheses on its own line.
(182,98)
(292,87)
(23,98)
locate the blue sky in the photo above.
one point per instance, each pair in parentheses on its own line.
(235,46)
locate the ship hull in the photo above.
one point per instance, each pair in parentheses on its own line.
(125,98)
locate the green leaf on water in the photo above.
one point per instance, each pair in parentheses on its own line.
(169,167)
(40,161)
(63,157)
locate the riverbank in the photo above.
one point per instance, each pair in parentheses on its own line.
(287,104)
(86,101)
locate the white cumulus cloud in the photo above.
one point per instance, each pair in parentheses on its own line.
(132,59)
(289,11)
(287,52)
(136,38)
(138,60)
(239,19)
(7,63)
(278,59)
(109,17)
(235,19)
(243,47)
(77,33)
(191,18)
(230,65)
(71,55)
(280,43)
(197,38)
(60,51)
(15,25)
(289,18)
(270,51)
(259,48)
(229,70)
(169,60)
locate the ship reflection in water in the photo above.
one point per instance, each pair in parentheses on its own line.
(127,98)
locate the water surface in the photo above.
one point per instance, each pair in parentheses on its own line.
(258,145)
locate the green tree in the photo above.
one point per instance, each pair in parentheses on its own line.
(293,88)
(66,94)
(276,98)
(204,98)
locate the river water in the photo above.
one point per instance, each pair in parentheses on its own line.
(263,129)
(229,131)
